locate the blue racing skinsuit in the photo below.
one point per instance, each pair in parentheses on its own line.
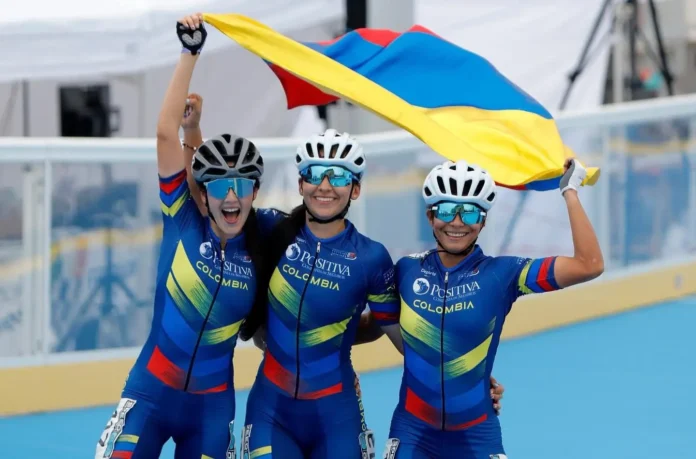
(451,320)
(181,386)
(304,403)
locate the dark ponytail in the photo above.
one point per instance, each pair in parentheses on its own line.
(285,232)
(255,248)
(272,250)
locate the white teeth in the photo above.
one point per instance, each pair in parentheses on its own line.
(231,209)
(456,234)
(322,199)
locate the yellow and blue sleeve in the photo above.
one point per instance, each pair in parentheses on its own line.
(537,276)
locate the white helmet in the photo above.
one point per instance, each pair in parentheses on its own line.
(459,182)
(343,151)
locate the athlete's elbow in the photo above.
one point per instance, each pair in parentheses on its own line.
(597,269)
(594,267)
(165,133)
(585,269)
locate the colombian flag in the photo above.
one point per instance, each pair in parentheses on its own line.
(455,101)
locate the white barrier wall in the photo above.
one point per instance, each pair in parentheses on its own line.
(80,219)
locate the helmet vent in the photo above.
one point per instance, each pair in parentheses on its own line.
(453,186)
(346,151)
(208,155)
(238,146)
(334,150)
(219,147)
(441,185)
(467,188)
(479,187)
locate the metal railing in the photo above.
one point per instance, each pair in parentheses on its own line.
(80,223)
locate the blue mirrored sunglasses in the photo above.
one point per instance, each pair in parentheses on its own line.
(469,213)
(219,188)
(338,176)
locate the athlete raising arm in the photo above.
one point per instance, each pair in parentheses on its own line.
(181,385)
(454,301)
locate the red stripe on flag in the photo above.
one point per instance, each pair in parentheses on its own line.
(384,37)
(379,37)
(298,92)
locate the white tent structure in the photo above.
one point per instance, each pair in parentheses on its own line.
(132,45)
(78,38)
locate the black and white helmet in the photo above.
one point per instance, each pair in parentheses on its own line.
(459,182)
(332,149)
(211,160)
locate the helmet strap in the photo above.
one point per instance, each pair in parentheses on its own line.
(339,216)
(207,207)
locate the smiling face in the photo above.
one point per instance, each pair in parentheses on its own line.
(326,201)
(450,230)
(229,213)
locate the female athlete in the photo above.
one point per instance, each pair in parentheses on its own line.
(181,386)
(454,300)
(304,403)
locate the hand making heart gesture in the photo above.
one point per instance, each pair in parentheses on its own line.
(191,33)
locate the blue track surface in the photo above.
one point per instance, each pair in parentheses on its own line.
(620,387)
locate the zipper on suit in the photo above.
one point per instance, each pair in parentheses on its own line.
(299,321)
(442,350)
(207,317)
